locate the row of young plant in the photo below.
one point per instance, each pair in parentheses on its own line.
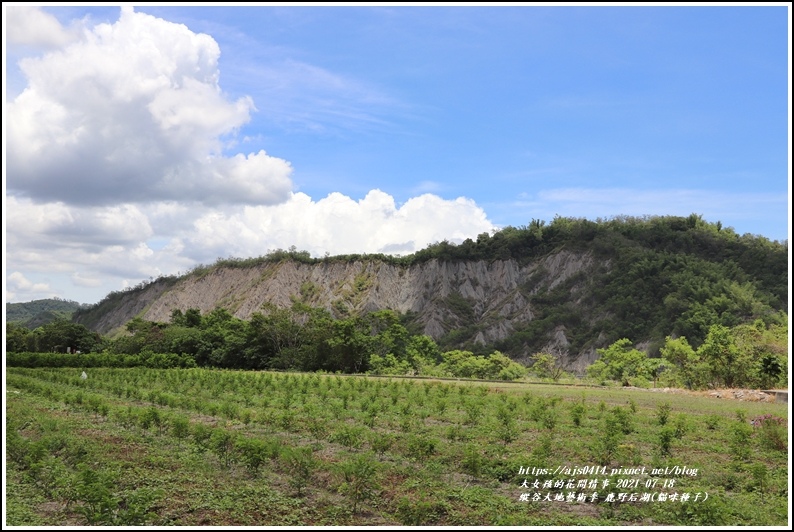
(61,466)
(246,396)
(471,430)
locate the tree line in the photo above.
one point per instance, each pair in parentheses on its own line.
(305,338)
(301,338)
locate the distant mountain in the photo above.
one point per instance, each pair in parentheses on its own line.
(40,312)
(569,287)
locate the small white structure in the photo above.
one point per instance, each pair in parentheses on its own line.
(84,376)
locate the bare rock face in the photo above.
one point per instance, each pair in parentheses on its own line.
(492,295)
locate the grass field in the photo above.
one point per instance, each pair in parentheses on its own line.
(212,447)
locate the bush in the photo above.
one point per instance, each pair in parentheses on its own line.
(180,427)
(605,448)
(578,411)
(421,512)
(473,462)
(772,432)
(712,421)
(253,453)
(420,447)
(381,443)
(300,463)
(350,437)
(663,413)
(740,441)
(201,434)
(623,419)
(666,436)
(359,479)
(222,444)
(681,425)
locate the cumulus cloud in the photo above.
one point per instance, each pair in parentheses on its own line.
(33,27)
(337,224)
(119,167)
(133,112)
(18,287)
(81,280)
(56,225)
(112,244)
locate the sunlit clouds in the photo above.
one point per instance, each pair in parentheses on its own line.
(144,141)
(133,112)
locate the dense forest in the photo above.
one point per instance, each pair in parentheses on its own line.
(41,311)
(697,295)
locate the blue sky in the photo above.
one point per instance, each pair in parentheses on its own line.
(372,129)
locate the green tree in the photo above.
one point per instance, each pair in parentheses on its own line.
(350,345)
(422,353)
(60,335)
(679,355)
(621,362)
(459,363)
(388,365)
(503,368)
(193,317)
(16,338)
(546,366)
(719,352)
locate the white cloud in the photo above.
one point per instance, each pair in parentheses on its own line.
(33,27)
(336,224)
(83,247)
(49,226)
(119,169)
(80,280)
(133,112)
(18,287)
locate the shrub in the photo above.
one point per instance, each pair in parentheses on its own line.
(421,512)
(222,444)
(771,431)
(712,421)
(300,463)
(740,441)
(350,437)
(578,411)
(633,406)
(201,434)
(681,425)
(666,436)
(381,443)
(420,447)
(759,477)
(457,433)
(180,427)
(605,448)
(359,479)
(623,419)
(663,413)
(253,453)
(473,461)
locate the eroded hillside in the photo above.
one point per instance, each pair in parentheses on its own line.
(489,298)
(569,287)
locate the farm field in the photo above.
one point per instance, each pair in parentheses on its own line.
(186,447)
